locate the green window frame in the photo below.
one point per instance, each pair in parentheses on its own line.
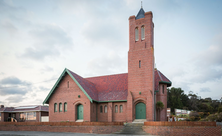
(55,107)
(60,107)
(65,107)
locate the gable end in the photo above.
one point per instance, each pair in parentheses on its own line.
(46,101)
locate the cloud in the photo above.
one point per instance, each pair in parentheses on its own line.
(42,88)
(205,90)
(15,99)
(13,90)
(12,16)
(208,63)
(2,73)
(14,86)
(84,7)
(13,81)
(103,26)
(100,32)
(50,40)
(47,69)
(110,64)
(9,27)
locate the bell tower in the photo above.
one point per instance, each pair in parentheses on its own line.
(140,99)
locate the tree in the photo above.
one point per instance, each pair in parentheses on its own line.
(177,99)
(159,107)
(193,102)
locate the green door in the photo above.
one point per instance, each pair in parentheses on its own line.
(140,111)
(80,111)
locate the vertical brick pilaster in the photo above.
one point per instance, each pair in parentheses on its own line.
(110,112)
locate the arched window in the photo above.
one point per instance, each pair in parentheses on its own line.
(60,107)
(105,109)
(142,33)
(68,84)
(55,107)
(163,89)
(116,109)
(101,109)
(65,107)
(121,108)
(139,63)
(136,34)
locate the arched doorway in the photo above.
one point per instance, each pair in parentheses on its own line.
(80,111)
(140,111)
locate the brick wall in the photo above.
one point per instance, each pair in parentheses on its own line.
(93,112)
(102,116)
(183,130)
(63,94)
(79,127)
(76,129)
(160,96)
(141,79)
(117,116)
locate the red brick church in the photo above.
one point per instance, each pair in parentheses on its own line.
(115,98)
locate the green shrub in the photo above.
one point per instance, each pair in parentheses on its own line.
(201,114)
(219,117)
(192,118)
(212,117)
(220,109)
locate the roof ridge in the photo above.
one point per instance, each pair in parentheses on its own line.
(81,77)
(159,75)
(106,75)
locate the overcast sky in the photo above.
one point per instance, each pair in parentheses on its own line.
(40,38)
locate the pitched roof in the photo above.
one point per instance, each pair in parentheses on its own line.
(25,108)
(105,88)
(88,86)
(111,87)
(160,78)
(140,14)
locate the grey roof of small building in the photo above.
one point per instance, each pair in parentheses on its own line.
(25,108)
(141,14)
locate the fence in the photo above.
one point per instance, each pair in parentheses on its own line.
(62,123)
(179,123)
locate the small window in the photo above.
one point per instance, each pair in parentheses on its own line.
(101,109)
(55,107)
(121,108)
(105,109)
(60,107)
(142,33)
(139,63)
(163,89)
(136,34)
(68,84)
(65,107)
(116,109)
